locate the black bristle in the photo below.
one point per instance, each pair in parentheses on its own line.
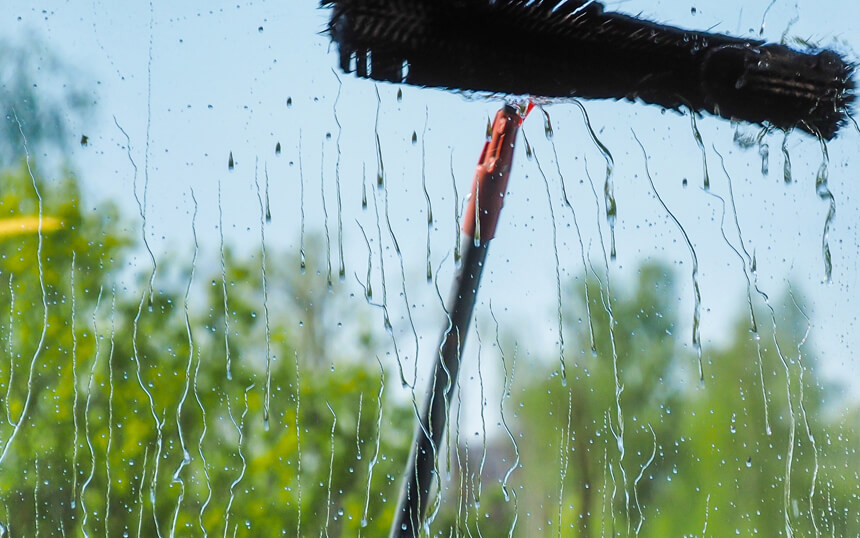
(572,48)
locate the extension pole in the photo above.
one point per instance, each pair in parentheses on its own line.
(482,214)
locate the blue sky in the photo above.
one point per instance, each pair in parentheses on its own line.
(219,80)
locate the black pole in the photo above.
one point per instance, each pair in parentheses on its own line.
(480,221)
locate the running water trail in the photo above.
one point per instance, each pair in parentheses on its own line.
(375,458)
(809,435)
(363,185)
(229,367)
(581,246)
(143,205)
(824,193)
(41,344)
(426,194)
(697,308)
(110,407)
(384,306)
(301,208)
(268,387)
(186,456)
(297,396)
(639,477)
(402,292)
(507,383)
(456,210)
(325,216)
(437,500)
(786,158)
(606,302)
(74,490)
(607,423)
(764,151)
(698,136)
(358,427)
(564,458)
(330,470)
(240,426)
(36,515)
(764,16)
(752,283)
(368,290)
(483,403)
(10,347)
(707,506)
(140,490)
(562,367)
(462,464)
(380,167)
(792,423)
(159,424)
(87,436)
(341,268)
(608,187)
(204,463)
(266,175)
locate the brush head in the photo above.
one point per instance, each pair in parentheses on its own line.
(573,49)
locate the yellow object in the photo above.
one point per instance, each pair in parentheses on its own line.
(26,225)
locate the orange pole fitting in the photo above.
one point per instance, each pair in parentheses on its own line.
(491,176)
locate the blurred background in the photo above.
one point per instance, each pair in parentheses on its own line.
(223,265)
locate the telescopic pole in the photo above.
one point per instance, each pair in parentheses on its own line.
(482,214)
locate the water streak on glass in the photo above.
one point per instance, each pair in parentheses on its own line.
(41,344)
(608,187)
(330,470)
(375,459)
(380,167)
(265,282)
(581,245)
(605,295)
(697,307)
(186,457)
(325,216)
(301,208)
(240,430)
(456,210)
(10,347)
(87,435)
(639,478)
(786,158)
(426,194)
(749,269)
(824,193)
(110,406)
(229,368)
(562,367)
(507,383)
(698,137)
(341,269)
(800,369)
(564,458)
(74,489)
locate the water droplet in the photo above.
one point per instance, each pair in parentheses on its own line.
(749,462)
(260,29)
(278,148)
(84,140)
(414,138)
(289,102)
(230,163)
(399,95)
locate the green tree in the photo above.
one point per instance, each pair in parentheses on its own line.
(690,453)
(123,416)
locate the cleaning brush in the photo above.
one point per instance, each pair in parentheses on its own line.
(574,49)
